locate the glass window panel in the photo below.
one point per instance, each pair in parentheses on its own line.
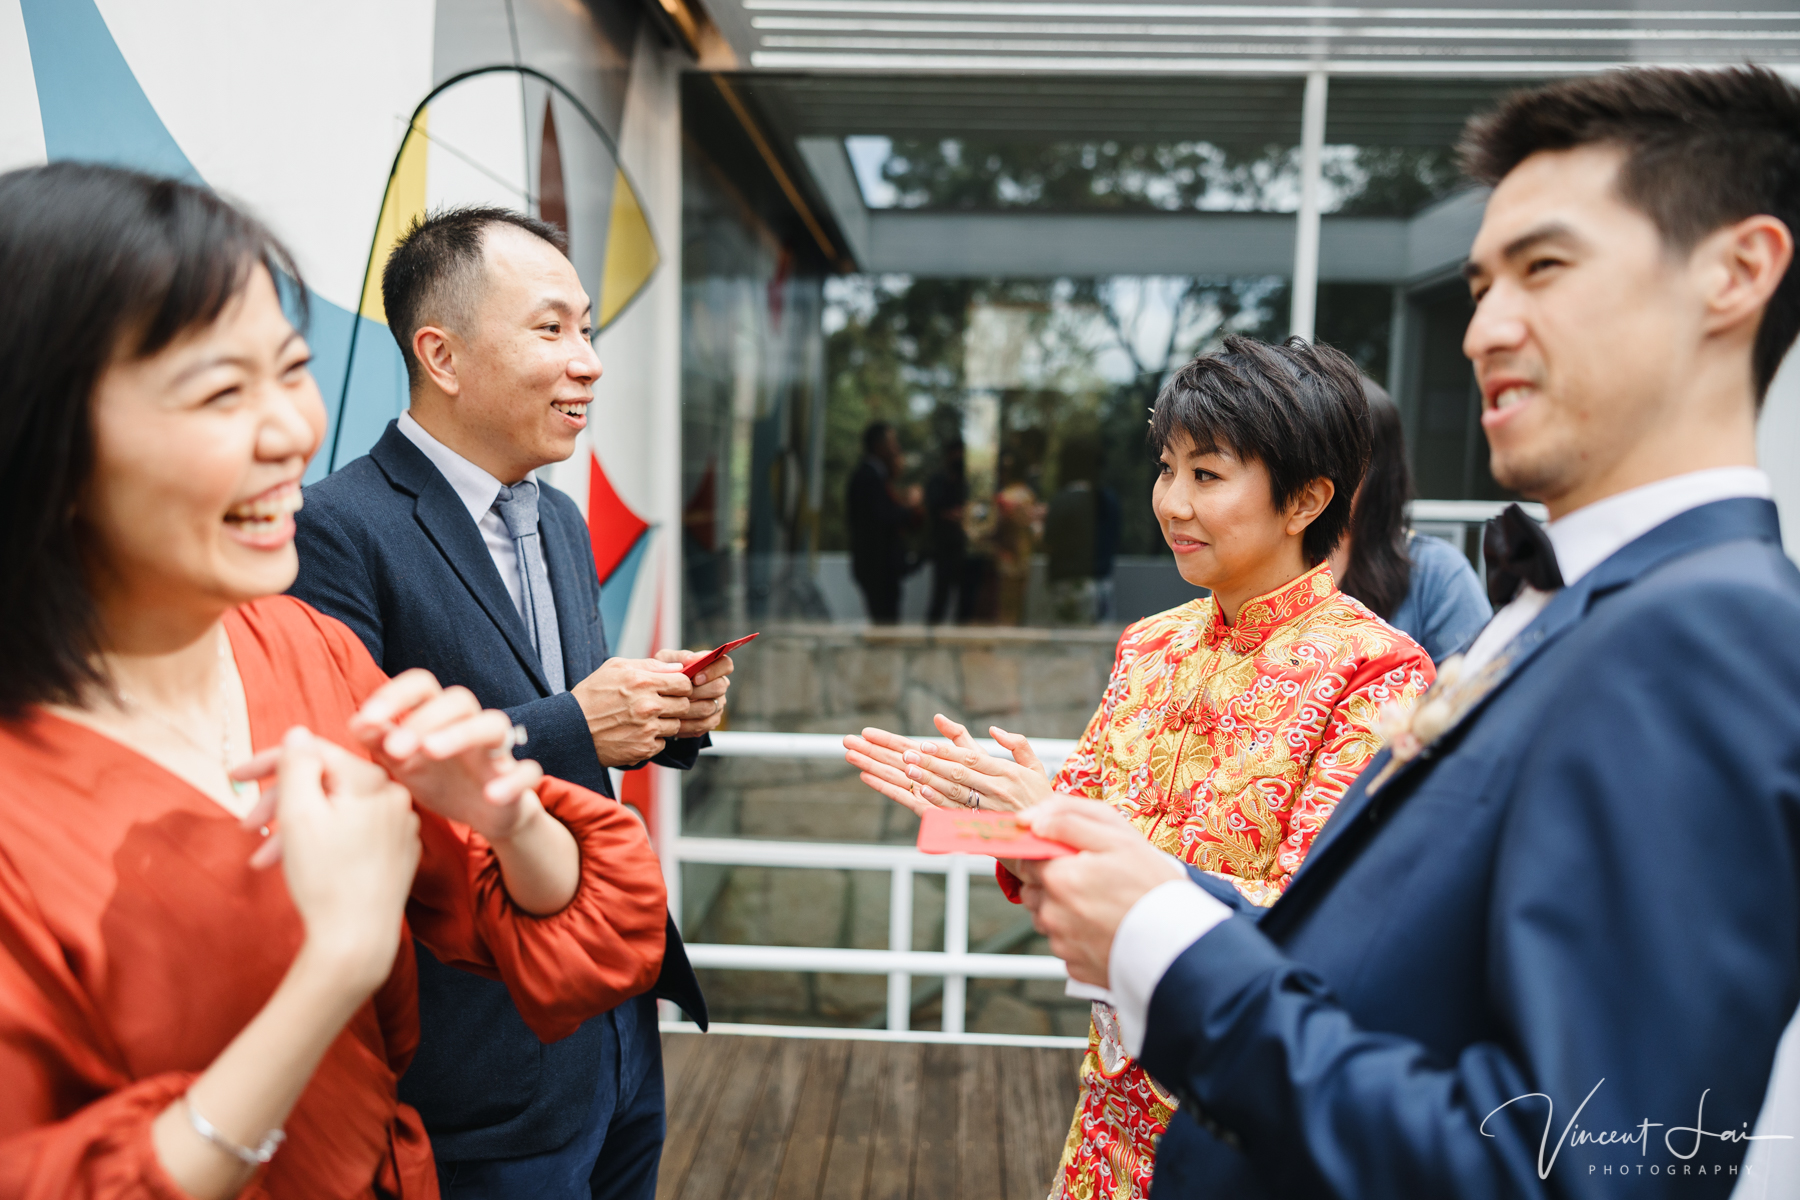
(1358,318)
(985,174)
(1044,384)
(1390,143)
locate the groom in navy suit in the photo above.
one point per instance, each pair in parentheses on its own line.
(1549,941)
(442,550)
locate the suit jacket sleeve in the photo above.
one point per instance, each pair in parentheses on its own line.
(1630,965)
(334,576)
(1223,888)
(556,735)
(682,753)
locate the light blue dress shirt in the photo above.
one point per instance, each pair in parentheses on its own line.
(1445,605)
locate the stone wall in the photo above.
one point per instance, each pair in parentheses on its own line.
(835,679)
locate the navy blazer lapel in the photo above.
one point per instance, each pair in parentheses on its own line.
(1696,529)
(1562,612)
(440,512)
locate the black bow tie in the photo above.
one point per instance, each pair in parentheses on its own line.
(1518,552)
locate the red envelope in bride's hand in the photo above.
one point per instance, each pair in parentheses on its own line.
(999,835)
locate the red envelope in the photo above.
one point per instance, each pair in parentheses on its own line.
(712,656)
(1000,835)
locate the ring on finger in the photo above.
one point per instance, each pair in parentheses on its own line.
(516,737)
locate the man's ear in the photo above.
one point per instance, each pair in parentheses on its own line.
(1742,265)
(437,355)
(1307,506)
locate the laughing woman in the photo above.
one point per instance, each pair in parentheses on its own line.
(179,1016)
(1232,724)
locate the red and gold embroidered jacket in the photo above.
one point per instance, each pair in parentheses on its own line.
(1229,746)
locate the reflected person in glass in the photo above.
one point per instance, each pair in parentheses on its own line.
(946,540)
(1232,724)
(1422,585)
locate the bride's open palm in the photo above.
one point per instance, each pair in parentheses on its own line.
(925,774)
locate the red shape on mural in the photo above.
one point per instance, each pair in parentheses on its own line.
(553,204)
(612,527)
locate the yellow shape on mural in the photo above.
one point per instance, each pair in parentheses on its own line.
(631,255)
(404,202)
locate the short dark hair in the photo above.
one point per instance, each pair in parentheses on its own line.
(100,263)
(1703,149)
(434,272)
(1380,568)
(1297,408)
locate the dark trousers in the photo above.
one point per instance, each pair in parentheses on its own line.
(946,588)
(614,1156)
(881,594)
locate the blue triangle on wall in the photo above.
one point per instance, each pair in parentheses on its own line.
(615,593)
(94,110)
(91,104)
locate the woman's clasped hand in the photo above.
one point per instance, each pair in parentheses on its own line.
(441,748)
(349,847)
(925,775)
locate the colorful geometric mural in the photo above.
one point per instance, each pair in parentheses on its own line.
(339,122)
(488,123)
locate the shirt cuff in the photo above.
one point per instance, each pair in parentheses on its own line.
(1156,931)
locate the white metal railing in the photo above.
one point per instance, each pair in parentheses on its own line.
(955,963)
(1469,512)
(1452,520)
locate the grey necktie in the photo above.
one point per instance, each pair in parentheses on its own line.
(518,507)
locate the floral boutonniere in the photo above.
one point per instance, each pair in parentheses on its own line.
(1408,730)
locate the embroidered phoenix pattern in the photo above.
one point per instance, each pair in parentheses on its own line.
(1228,746)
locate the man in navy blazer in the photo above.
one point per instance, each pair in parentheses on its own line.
(441,550)
(1549,941)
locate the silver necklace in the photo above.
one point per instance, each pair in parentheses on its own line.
(241,789)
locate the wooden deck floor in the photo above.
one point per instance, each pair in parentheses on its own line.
(758,1118)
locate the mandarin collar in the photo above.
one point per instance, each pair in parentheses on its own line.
(1261,616)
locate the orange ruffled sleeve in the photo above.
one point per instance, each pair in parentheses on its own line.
(605,947)
(601,950)
(50,1051)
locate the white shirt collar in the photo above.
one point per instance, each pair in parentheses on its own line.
(473,486)
(1589,536)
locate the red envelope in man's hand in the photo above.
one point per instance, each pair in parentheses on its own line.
(1000,835)
(693,669)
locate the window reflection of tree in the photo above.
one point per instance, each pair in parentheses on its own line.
(1191,176)
(1101,348)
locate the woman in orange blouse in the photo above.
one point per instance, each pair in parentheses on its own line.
(179,1017)
(1233,724)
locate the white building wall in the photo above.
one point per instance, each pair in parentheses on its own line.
(1778,447)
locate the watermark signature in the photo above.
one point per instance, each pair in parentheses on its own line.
(1693,1137)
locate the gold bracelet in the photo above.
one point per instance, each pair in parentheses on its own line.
(265,1149)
